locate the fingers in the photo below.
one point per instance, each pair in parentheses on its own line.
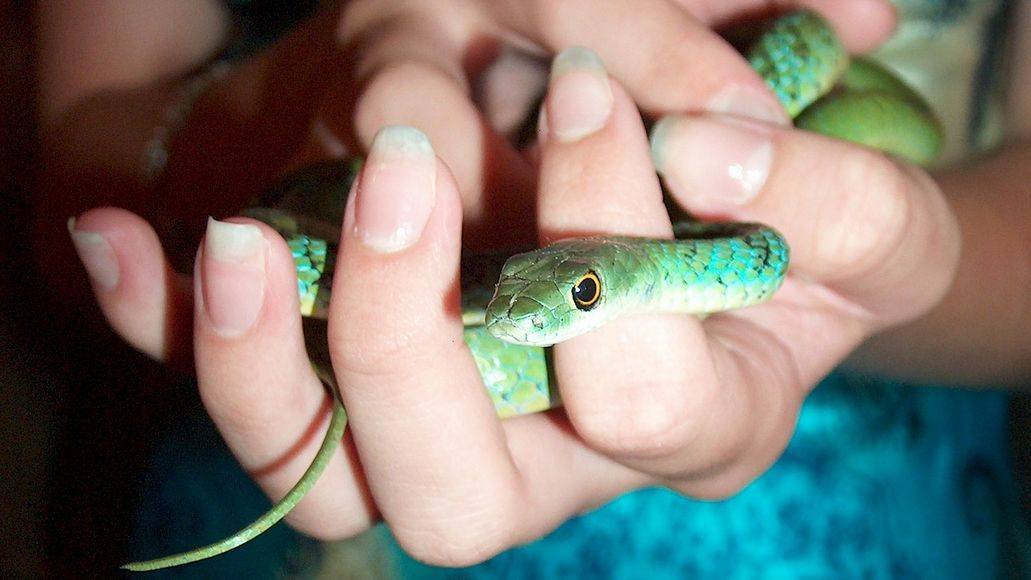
(666,59)
(862,25)
(509,89)
(874,230)
(455,485)
(143,299)
(594,155)
(873,243)
(256,380)
(414,75)
(424,427)
(645,390)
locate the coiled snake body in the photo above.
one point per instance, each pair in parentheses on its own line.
(554,293)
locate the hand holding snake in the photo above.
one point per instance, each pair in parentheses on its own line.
(699,406)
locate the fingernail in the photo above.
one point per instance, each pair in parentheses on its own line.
(750,103)
(396,191)
(579,99)
(724,162)
(97,257)
(233,276)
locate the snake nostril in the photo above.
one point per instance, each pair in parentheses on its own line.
(523,308)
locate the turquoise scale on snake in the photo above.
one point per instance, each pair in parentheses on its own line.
(551,294)
(310,262)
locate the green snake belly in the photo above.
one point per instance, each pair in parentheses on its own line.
(710,267)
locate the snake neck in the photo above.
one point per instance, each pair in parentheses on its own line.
(717,267)
(534,302)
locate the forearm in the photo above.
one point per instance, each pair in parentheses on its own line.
(980,334)
(131,147)
(119,82)
(224,142)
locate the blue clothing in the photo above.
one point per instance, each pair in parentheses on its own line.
(881,480)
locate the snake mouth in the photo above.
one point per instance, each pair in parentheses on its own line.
(503,324)
(504,329)
(498,320)
(513,333)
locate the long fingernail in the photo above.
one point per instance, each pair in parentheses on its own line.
(579,99)
(97,257)
(750,103)
(396,191)
(724,163)
(233,276)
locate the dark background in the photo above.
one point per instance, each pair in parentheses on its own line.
(79,410)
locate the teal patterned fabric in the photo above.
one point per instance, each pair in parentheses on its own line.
(881,480)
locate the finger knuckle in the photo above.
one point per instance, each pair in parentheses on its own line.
(398,93)
(547,17)
(877,207)
(390,86)
(727,478)
(715,489)
(357,351)
(458,540)
(400,74)
(331,529)
(678,48)
(634,429)
(769,394)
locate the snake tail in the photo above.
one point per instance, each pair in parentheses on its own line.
(337,423)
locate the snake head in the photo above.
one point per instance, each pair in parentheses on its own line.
(554,293)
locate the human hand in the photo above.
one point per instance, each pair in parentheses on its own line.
(478,65)
(702,407)
(406,64)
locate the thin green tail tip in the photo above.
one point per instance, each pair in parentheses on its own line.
(337,424)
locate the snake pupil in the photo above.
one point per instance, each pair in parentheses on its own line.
(587,291)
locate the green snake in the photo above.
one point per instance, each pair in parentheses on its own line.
(551,294)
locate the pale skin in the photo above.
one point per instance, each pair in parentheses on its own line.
(699,407)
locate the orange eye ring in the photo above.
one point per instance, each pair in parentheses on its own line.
(587,291)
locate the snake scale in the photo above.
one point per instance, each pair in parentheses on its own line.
(554,293)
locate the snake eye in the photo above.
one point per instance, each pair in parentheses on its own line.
(586,291)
